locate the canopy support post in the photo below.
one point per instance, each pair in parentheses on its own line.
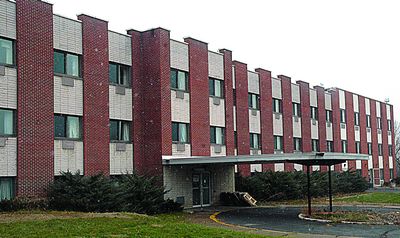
(309,190)
(330,188)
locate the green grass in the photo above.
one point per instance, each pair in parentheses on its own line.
(129,225)
(372,198)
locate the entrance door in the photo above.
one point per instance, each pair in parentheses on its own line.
(201,189)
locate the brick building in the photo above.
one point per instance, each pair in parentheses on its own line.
(75,96)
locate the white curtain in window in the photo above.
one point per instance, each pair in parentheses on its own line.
(181,80)
(6,52)
(125,131)
(182,133)
(217,88)
(218,135)
(6,189)
(73,127)
(256,143)
(73,65)
(6,122)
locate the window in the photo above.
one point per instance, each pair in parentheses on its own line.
(356,118)
(6,52)
(390,150)
(180,132)
(342,116)
(120,131)
(66,63)
(278,143)
(7,122)
(380,149)
(234,97)
(368,121)
(217,135)
(389,123)
(254,101)
(277,105)
(216,88)
(6,188)
(67,127)
(179,80)
(235,139)
(255,142)
(314,113)
(369,145)
(381,174)
(379,122)
(328,116)
(329,146)
(296,110)
(120,74)
(315,145)
(297,144)
(344,146)
(391,174)
(358,147)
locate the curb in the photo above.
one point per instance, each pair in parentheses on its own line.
(304,217)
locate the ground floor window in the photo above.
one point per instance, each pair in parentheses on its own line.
(391,173)
(6,188)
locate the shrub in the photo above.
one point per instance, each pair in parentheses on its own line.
(23,204)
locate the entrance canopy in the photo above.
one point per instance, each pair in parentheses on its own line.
(314,158)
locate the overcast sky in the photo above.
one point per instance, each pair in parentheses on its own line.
(354,45)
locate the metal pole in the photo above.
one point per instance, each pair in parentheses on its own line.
(309,190)
(330,188)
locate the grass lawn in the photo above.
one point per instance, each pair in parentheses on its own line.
(372,198)
(114,225)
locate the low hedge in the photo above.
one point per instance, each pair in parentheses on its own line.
(269,186)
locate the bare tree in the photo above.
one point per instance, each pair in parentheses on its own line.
(397,145)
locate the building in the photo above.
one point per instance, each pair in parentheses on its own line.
(75,96)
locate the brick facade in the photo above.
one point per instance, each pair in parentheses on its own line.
(363,134)
(374,136)
(321,121)
(337,146)
(351,146)
(287,112)
(385,147)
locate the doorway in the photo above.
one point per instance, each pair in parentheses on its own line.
(201,189)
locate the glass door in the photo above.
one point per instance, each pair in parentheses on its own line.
(201,189)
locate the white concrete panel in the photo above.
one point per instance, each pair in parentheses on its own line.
(345,166)
(254,122)
(358,164)
(369,137)
(314,130)
(380,161)
(389,139)
(367,106)
(67,99)
(329,133)
(355,103)
(8,158)
(234,118)
(121,162)
(8,88)
(298,167)
(67,34)
(8,19)
(120,48)
(253,82)
(179,54)
(313,98)
(357,135)
(342,99)
(278,125)
(388,116)
(222,153)
(186,152)
(68,159)
(328,101)
(370,164)
(315,168)
(120,105)
(255,152)
(256,168)
(343,133)
(378,109)
(390,162)
(297,127)
(295,93)
(279,167)
(215,65)
(276,88)
(233,77)
(217,113)
(180,108)
(380,138)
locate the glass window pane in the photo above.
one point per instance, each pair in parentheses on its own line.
(6,52)
(124,75)
(212,135)
(6,189)
(126,131)
(182,80)
(59,126)
(114,130)
(211,87)
(6,122)
(73,127)
(173,76)
(73,65)
(183,133)
(249,100)
(175,135)
(218,88)
(59,63)
(113,72)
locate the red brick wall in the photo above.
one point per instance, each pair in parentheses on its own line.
(337,146)
(96,132)
(267,134)
(374,137)
(385,145)
(152,50)
(242,114)
(351,145)
(321,121)
(287,109)
(35,126)
(363,135)
(305,117)
(228,83)
(393,142)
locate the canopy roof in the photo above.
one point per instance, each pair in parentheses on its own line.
(314,158)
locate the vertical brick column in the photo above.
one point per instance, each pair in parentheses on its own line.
(393,142)
(374,138)
(351,144)
(363,135)
(305,117)
(287,111)
(151,99)
(385,144)
(35,121)
(242,114)
(228,83)
(267,133)
(337,144)
(96,133)
(199,97)
(321,121)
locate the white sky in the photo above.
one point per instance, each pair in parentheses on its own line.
(354,45)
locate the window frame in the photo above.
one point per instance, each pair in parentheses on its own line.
(119,67)
(358,147)
(65,54)
(380,149)
(328,116)
(65,116)
(329,146)
(178,131)
(296,107)
(250,101)
(252,136)
(14,123)
(343,116)
(314,113)
(119,129)
(274,106)
(300,143)
(315,143)
(213,81)
(186,90)
(14,52)
(276,140)
(368,121)
(344,146)
(369,148)
(356,118)
(389,124)
(390,150)
(379,123)
(213,141)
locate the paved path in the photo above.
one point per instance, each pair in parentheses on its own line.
(286,219)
